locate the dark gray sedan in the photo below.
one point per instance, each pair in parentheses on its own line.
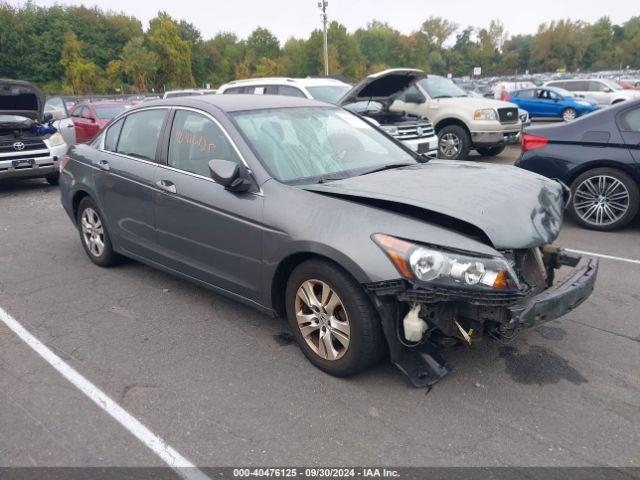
(306,210)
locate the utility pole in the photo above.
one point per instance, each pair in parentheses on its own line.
(322,5)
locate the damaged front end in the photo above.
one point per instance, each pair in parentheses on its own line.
(448,298)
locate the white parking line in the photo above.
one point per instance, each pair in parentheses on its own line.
(608,257)
(183,467)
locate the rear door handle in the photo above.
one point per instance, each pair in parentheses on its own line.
(167,186)
(104,165)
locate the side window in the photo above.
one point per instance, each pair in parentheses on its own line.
(597,87)
(290,91)
(630,120)
(140,132)
(194,141)
(77,113)
(112,136)
(234,90)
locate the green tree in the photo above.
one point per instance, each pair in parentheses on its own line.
(139,65)
(174,54)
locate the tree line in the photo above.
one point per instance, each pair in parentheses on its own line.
(79,50)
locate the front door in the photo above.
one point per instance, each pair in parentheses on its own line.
(125,180)
(205,231)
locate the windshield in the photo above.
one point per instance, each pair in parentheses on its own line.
(312,144)
(111,111)
(329,94)
(440,87)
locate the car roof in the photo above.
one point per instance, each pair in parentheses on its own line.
(239,102)
(304,82)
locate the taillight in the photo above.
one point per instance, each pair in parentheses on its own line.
(63,161)
(507,97)
(531,142)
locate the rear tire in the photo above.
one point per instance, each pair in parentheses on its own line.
(340,313)
(604,199)
(490,151)
(94,235)
(454,143)
(53,178)
(569,114)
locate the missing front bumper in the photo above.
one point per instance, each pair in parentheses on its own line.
(424,365)
(559,299)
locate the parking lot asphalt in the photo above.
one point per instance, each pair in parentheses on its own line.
(224,386)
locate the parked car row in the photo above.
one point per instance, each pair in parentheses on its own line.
(429,113)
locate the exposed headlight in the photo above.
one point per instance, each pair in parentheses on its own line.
(391,130)
(485,114)
(444,268)
(56,140)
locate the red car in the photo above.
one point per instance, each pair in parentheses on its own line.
(90,118)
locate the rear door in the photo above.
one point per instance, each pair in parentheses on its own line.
(629,125)
(526,100)
(205,231)
(125,180)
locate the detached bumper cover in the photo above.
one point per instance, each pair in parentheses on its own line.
(558,300)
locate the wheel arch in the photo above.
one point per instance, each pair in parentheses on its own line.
(284,268)
(448,121)
(603,163)
(76,199)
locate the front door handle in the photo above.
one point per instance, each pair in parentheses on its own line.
(104,165)
(167,186)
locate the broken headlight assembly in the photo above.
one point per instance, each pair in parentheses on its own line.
(444,268)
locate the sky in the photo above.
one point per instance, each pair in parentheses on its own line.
(286,18)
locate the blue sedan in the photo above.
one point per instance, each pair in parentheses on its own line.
(551,102)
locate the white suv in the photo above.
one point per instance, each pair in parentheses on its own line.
(600,90)
(415,132)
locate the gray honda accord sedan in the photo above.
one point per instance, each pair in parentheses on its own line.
(304,209)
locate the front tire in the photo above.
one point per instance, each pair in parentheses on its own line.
(94,235)
(454,143)
(604,199)
(333,320)
(569,114)
(53,178)
(491,151)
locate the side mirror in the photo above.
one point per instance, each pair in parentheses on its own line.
(230,175)
(414,97)
(608,90)
(47,117)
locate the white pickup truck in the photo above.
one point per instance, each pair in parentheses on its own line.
(462,122)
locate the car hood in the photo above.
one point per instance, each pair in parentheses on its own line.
(22,99)
(514,208)
(476,102)
(382,86)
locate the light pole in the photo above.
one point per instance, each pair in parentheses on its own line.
(322,5)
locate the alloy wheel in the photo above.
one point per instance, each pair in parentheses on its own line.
(601,200)
(322,320)
(450,145)
(569,115)
(92,232)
